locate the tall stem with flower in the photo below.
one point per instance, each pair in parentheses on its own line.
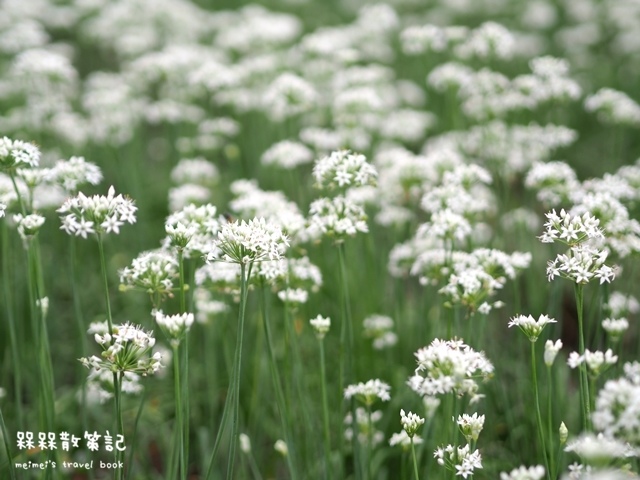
(243,243)
(580,264)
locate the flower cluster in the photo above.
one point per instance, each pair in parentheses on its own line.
(16,153)
(460,460)
(551,350)
(531,327)
(125,349)
(380,328)
(570,229)
(596,362)
(449,366)
(175,327)
(153,272)
(344,169)
(336,217)
(320,326)
(471,426)
(72,173)
(411,422)
(368,392)
(97,214)
(524,473)
(617,407)
(287,154)
(598,449)
(28,225)
(368,434)
(192,229)
(615,327)
(248,242)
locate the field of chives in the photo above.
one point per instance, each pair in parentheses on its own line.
(319,239)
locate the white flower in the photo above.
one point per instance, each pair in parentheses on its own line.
(471,426)
(336,217)
(344,169)
(192,229)
(287,154)
(531,327)
(16,153)
(175,327)
(449,366)
(617,407)
(248,242)
(28,225)
(551,350)
(411,422)
(245,443)
(404,440)
(281,447)
(368,392)
(72,173)
(597,362)
(597,448)
(613,107)
(459,459)
(98,214)
(320,325)
(615,327)
(379,327)
(127,348)
(524,473)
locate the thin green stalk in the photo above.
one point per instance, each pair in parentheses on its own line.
(5,437)
(105,281)
(346,354)
(325,411)
(369,451)
(550,422)
(133,436)
(82,333)
(177,388)
(13,336)
(237,370)
(184,452)
(415,461)
(285,417)
(534,379)
(117,383)
(584,385)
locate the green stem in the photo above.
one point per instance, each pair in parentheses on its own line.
(325,411)
(277,383)
(77,309)
(415,461)
(237,370)
(534,379)
(346,355)
(117,383)
(5,437)
(103,268)
(177,388)
(184,453)
(13,336)
(550,422)
(584,385)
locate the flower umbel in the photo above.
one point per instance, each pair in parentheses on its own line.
(531,327)
(126,349)
(248,242)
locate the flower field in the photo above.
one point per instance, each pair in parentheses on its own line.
(319,240)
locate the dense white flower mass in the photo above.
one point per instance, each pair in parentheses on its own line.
(460,460)
(248,242)
(344,169)
(617,407)
(127,348)
(16,153)
(287,154)
(531,327)
(336,217)
(449,366)
(524,473)
(613,106)
(98,214)
(153,272)
(368,392)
